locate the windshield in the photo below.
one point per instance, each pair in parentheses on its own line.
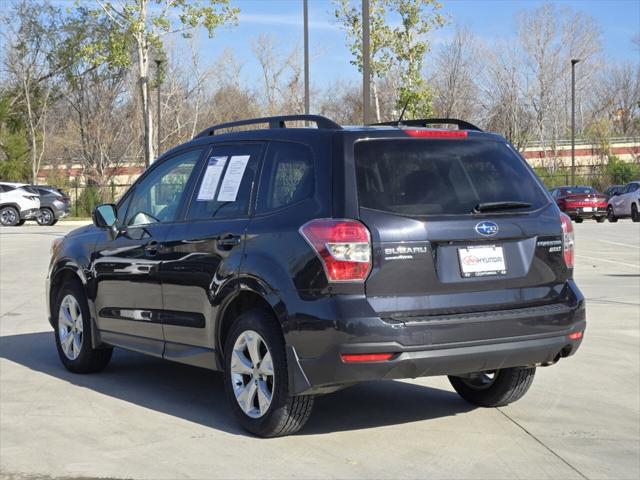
(442,177)
(579,191)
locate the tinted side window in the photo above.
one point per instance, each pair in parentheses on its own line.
(156,197)
(226,182)
(2,189)
(288,176)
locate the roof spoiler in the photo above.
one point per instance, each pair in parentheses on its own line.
(425,122)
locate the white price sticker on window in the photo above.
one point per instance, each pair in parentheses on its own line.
(211,178)
(233,178)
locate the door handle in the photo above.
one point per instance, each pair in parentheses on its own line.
(151,248)
(228,241)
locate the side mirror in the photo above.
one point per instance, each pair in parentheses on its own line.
(105,215)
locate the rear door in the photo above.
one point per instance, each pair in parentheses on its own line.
(442,240)
(203,251)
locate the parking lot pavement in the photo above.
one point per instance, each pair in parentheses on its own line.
(146,418)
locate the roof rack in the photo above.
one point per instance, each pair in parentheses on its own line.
(424,122)
(274,122)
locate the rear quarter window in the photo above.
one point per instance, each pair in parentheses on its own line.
(288,176)
(442,177)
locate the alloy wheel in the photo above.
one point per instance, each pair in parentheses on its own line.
(70,327)
(44,218)
(8,217)
(481,380)
(252,374)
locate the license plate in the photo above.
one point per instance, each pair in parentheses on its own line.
(588,209)
(480,261)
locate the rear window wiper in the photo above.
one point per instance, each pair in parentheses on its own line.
(492,206)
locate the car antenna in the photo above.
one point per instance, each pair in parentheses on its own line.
(404,109)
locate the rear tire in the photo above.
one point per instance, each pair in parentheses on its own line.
(256,377)
(506,386)
(9,216)
(46,217)
(610,215)
(578,220)
(600,219)
(635,215)
(73,333)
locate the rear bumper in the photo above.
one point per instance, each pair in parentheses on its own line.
(581,213)
(442,345)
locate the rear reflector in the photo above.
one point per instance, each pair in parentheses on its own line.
(437,133)
(366,357)
(575,336)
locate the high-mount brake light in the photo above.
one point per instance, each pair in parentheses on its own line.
(365,357)
(437,133)
(344,247)
(568,240)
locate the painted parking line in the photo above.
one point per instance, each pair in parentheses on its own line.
(631,265)
(621,244)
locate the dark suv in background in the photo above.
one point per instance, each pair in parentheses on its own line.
(54,204)
(299,261)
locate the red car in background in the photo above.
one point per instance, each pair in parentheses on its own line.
(581,202)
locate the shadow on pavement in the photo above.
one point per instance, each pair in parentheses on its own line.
(197,395)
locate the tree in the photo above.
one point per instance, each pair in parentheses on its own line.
(138,29)
(550,38)
(30,36)
(281,74)
(454,80)
(403,46)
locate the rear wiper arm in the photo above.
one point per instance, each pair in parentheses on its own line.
(492,206)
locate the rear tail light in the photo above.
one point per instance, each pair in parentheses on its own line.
(344,247)
(365,357)
(567,240)
(437,133)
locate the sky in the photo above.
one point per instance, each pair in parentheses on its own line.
(489,20)
(492,20)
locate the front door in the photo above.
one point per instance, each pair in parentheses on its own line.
(203,253)
(128,294)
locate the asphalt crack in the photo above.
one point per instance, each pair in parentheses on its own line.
(575,469)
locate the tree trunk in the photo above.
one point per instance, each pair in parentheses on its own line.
(143,82)
(376,100)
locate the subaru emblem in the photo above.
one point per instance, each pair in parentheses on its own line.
(487,228)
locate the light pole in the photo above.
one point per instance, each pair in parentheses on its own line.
(158,63)
(366,67)
(306,56)
(573,119)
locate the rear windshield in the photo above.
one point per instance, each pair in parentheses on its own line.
(442,177)
(579,190)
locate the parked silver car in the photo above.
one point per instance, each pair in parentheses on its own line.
(625,203)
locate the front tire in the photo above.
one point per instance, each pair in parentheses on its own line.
(72,325)
(9,216)
(635,215)
(610,215)
(496,388)
(600,219)
(578,219)
(256,377)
